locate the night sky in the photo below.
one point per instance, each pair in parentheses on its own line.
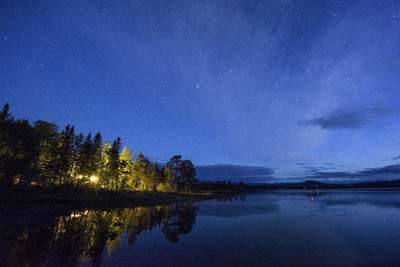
(273,90)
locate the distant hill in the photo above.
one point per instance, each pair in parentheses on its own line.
(321,185)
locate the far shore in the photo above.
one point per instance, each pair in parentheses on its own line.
(309,184)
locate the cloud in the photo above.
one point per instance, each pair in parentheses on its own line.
(391,169)
(390,172)
(315,169)
(255,174)
(234,173)
(351,119)
(396,158)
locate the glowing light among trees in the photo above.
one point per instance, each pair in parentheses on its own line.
(94,179)
(41,155)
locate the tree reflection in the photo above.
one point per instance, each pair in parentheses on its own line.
(232,196)
(85,236)
(179,221)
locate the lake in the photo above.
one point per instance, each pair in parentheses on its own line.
(275,228)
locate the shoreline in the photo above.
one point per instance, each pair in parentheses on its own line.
(21,209)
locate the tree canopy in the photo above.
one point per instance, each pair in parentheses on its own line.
(40,154)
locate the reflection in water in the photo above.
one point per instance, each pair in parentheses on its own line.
(276,228)
(83,236)
(231,197)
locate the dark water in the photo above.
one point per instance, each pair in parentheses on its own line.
(275,228)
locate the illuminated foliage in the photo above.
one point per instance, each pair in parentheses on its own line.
(44,156)
(41,155)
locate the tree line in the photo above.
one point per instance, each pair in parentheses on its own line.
(40,154)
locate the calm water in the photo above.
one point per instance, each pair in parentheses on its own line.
(337,227)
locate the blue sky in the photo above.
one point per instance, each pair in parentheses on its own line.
(299,88)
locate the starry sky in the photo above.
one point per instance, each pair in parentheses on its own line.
(252,90)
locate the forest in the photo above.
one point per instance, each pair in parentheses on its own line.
(40,155)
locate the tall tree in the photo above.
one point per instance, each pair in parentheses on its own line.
(139,176)
(169,183)
(114,164)
(174,164)
(96,158)
(188,174)
(65,156)
(49,135)
(103,165)
(126,166)
(83,154)
(19,150)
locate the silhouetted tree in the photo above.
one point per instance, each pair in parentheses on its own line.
(174,164)
(114,165)
(19,150)
(188,174)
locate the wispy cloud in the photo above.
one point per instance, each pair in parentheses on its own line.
(351,119)
(234,173)
(382,173)
(396,158)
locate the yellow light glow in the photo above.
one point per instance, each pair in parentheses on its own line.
(75,214)
(80,177)
(94,179)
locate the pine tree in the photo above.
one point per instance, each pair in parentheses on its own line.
(95,160)
(114,164)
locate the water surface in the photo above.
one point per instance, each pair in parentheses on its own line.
(292,227)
